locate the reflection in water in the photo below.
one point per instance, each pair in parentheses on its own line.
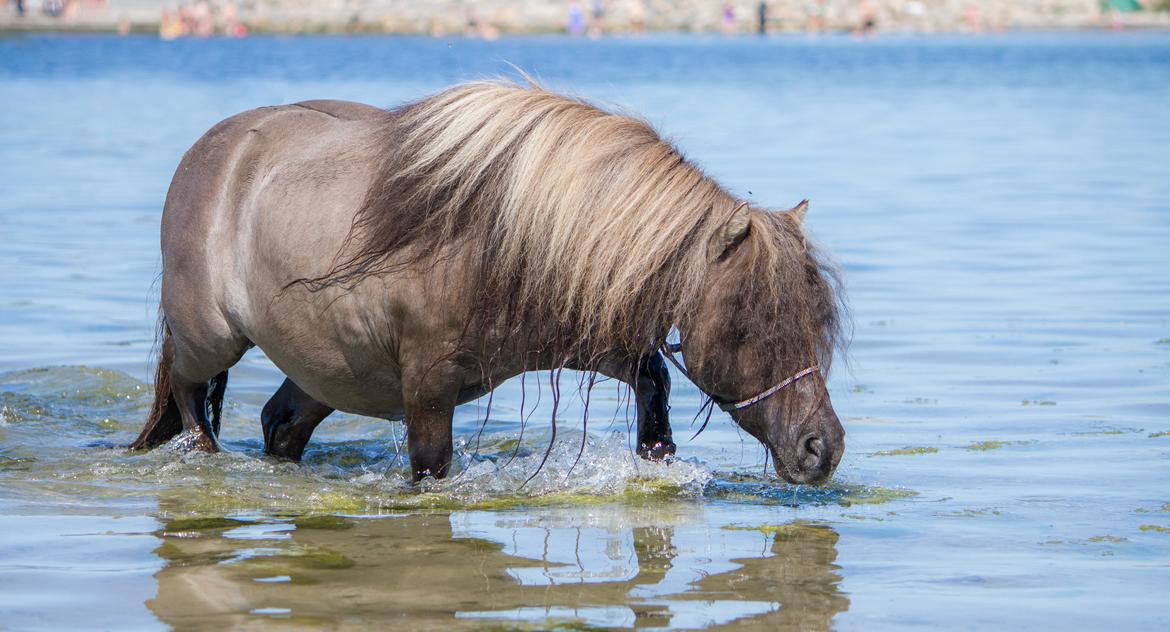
(612,567)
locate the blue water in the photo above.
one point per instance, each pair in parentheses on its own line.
(1001,209)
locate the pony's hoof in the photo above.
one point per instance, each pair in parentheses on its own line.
(194,442)
(660,451)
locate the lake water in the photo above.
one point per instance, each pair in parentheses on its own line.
(1000,207)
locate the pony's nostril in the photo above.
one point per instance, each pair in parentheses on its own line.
(814,447)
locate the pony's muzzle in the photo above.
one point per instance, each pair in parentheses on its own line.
(813,457)
(816,458)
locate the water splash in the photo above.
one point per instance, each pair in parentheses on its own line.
(64,426)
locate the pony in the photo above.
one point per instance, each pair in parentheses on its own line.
(397,263)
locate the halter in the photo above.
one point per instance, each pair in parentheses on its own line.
(670,348)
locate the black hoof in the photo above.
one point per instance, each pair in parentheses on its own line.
(282,442)
(657,452)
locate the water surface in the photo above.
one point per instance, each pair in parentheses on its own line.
(1000,209)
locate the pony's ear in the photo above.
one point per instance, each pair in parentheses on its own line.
(730,233)
(798,212)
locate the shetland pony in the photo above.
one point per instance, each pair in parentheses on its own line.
(399,263)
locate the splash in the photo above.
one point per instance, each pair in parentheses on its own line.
(65,426)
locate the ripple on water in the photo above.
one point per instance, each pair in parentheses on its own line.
(73,393)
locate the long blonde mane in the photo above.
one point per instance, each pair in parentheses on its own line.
(579,216)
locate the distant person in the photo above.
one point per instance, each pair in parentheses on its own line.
(597,19)
(575,24)
(816,16)
(762,15)
(20,8)
(229,16)
(471,29)
(202,20)
(973,17)
(171,26)
(728,19)
(867,19)
(637,12)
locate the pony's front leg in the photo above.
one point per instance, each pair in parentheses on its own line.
(652,391)
(651,383)
(428,438)
(289,419)
(430,407)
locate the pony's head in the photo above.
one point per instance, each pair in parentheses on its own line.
(770,313)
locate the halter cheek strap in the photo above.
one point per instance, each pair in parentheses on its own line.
(670,348)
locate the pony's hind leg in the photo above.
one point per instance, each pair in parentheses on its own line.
(191,398)
(289,419)
(165,421)
(198,382)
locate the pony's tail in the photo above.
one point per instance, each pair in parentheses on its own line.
(164,422)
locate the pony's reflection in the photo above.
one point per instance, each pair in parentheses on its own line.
(618,567)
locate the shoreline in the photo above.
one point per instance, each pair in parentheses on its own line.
(140,29)
(489,19)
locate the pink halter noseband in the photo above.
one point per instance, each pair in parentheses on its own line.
(670,348)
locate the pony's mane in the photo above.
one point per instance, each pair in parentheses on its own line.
(579,219)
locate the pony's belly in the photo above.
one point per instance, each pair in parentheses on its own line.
(373,392)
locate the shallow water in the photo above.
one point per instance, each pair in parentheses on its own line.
(999,206)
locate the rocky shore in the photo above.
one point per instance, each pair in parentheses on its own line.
(490,18)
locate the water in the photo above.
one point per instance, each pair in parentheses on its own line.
(999,205)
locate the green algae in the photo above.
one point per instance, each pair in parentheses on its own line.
(322,522)
(16,462)
(1154,528)
(1112,539)
(211,523)
(874,496)
(861,517)
(261,568)
(1159,435)
(178,556)
(303,557)
(908,450)
(409,499)
(1165,508)
(971,513)
(506,446)
(315,558)
(994,444)
(798,528)
(1107,432)
(983,446)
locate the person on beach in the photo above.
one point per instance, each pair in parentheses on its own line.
(815,11)
(728,19)
(597,19)
(575,25)
(867,21)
